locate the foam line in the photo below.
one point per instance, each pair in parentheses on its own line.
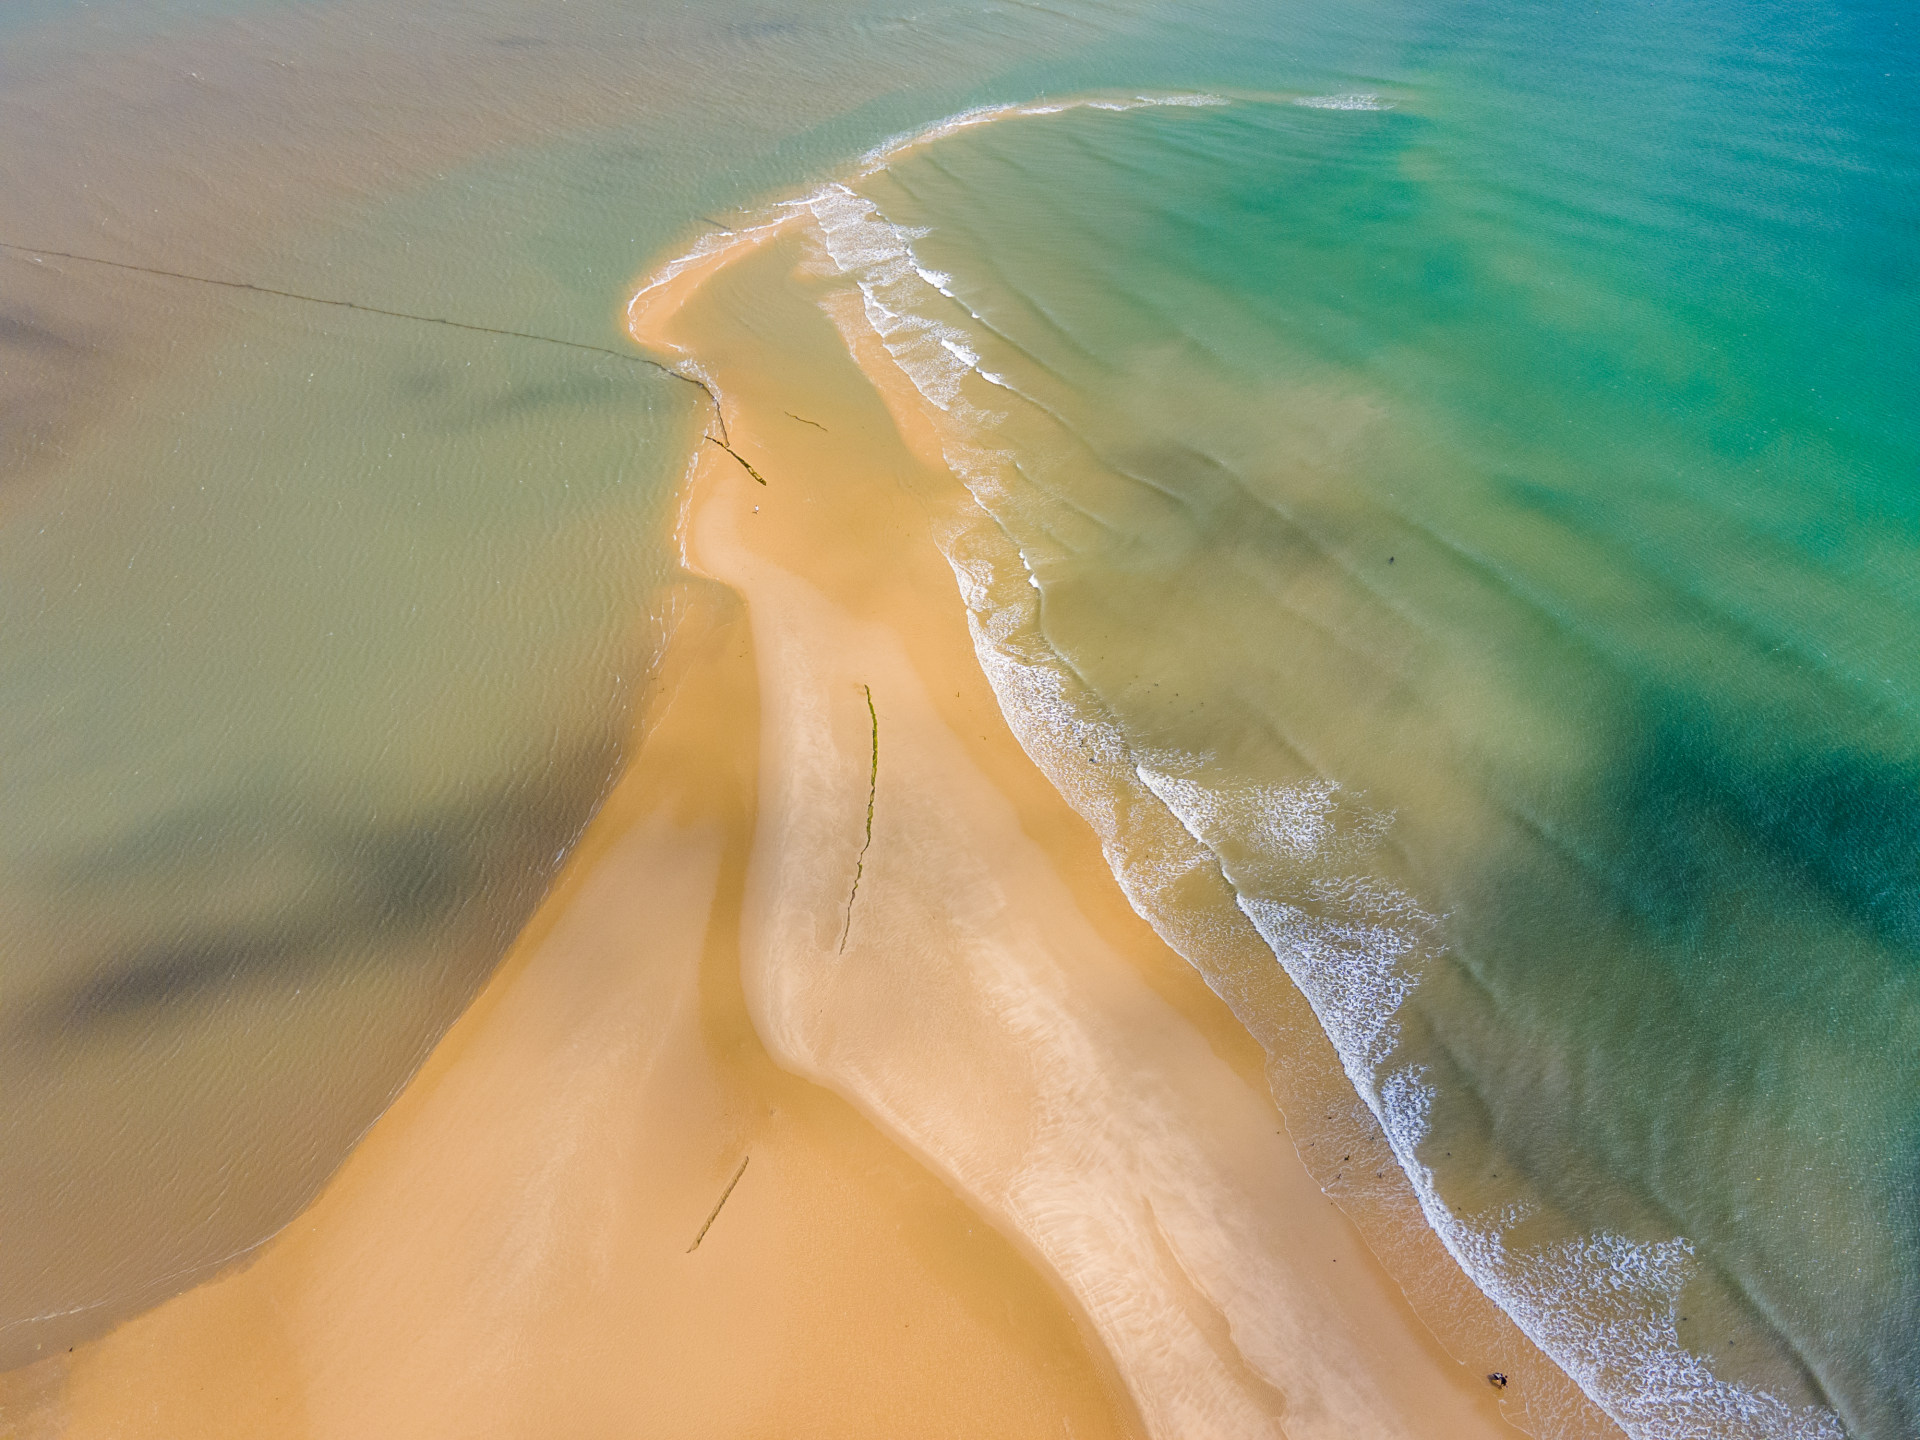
(1604,1307)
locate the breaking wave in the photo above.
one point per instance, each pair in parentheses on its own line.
(1604,1307)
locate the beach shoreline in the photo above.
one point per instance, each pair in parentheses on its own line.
(529,1239)
(833,543)
(838,955)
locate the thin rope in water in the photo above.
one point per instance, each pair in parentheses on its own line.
(694,380)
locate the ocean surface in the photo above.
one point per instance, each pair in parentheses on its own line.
(1450,518)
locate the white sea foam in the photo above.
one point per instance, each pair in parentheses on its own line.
(1141,102)
(899,145)
(1603,1307)
(1357,100)
(939,280)
(708,245)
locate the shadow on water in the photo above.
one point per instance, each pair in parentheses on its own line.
(171,1090)
(509,403)
(22,329)
(362,886)
(49,358)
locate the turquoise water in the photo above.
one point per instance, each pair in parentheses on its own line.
(1479,503)
(1480,506)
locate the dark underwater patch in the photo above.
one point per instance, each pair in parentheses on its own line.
(323,892)
(1698,802)
(21,329)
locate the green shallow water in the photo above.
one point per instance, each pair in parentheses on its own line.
(321,628)
(1479,505)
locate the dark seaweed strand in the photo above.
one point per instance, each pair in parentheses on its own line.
(714,1215)
(873,789)
(738,456)
(392,315)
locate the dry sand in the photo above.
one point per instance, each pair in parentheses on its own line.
(507,1252)
(1011,1168)
(994,1003)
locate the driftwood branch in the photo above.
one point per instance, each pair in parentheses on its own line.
(873,789)
(714,1215)
(738,456)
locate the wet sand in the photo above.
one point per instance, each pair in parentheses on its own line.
(508,1251)
(1011,1168)
(986,994)
(298,723)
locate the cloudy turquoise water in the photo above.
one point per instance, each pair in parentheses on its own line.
(1480,506)
(1478,502)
